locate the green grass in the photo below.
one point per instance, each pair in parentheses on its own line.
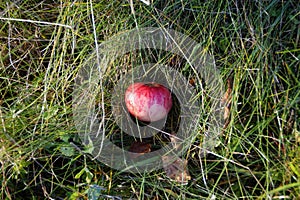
(255,44)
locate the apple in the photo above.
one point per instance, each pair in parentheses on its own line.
(148,102)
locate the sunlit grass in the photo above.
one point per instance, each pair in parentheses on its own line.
(43,46)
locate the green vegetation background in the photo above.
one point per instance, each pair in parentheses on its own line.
(255,44)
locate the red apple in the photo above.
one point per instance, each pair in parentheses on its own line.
(148,102)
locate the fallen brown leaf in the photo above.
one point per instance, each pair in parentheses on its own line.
(226,100)
(177,170)
(139,148)
(175,141)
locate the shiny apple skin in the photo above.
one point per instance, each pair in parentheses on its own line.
(148,102)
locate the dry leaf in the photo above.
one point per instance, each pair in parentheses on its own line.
(226,100)
(156,198)
(192,81)
(139,148)
(177,170)
(175,141)
(175,167)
